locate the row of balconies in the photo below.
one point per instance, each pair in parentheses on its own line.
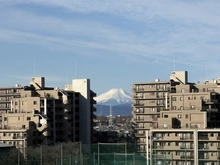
(182,147)
(151,89)
(149,97)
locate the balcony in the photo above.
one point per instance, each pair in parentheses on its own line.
(203,138)
(139,112)
(140,134)
(186,138)
(138,104)
(9,94)
(205,157)
(186,147)
(139,97)
(187,156)
(203,148)
(210,101)
(143,120)
(138,89)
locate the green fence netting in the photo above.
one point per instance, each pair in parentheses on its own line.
(80,154)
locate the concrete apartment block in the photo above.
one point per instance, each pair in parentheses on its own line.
(178,118)
(36,114)
(86,112)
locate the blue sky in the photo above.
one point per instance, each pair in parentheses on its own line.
(113,43)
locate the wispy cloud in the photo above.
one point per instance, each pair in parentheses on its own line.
(185,29)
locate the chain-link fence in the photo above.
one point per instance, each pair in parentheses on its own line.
(80,154)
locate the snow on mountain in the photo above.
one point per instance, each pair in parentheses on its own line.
(114,96)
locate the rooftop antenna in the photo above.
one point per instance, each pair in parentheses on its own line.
(34,68)
(206,69)
(67,76)
(75,71)
(174,62)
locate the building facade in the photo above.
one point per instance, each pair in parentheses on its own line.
(36,114)
(178,118)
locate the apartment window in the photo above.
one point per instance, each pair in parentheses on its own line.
(35,102)
(4,134)
(173,107)
(5,118)
(18,118)
(194,98)
(212,134)
(177,134)
(16,103)
(187,125)
(182,90)
(165,116)
(177,153)
(23,126)
(168,144)
(173,98)
(179,116)
(177,144)
(181,107)
(192,106)
(28,118)
(188,98)
(181,98)
(187,116)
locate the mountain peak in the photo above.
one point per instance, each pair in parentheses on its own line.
(114,96)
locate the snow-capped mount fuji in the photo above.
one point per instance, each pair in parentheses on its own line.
(115,96)
(119,100)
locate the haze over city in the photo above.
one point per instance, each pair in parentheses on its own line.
(112,43)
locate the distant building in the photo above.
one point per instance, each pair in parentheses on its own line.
(37,114)
(178,118)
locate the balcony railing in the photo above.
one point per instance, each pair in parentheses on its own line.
(186,147)
(140,134)
(138,89)
(138,104)
(187,156)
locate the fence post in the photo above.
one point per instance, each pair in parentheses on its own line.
(41,155)
(61,154)
(70,159)
(98,153)
(80,153)
(18,156)
(114,158)
(133,158)
(125,153)
(94,158)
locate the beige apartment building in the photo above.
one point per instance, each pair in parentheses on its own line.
(36,114)
(179,119)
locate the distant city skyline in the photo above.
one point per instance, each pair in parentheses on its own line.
(114,44)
